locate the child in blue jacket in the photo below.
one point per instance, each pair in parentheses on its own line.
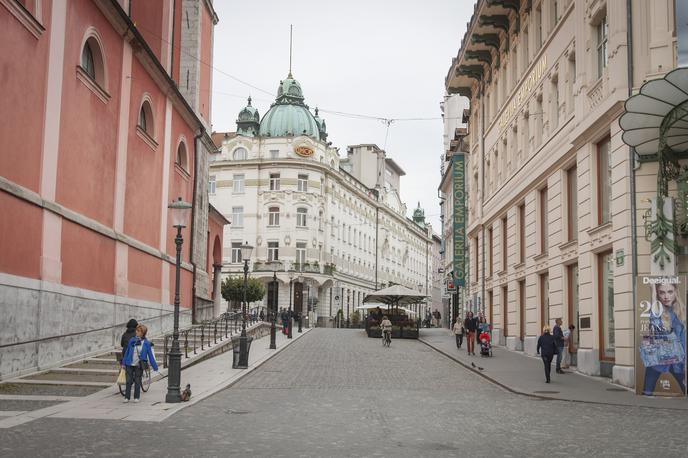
(137,356)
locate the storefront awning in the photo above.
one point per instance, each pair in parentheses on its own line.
(657,117)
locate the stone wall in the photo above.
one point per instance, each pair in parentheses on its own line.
(45,325)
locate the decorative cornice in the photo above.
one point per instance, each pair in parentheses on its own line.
(498,21)
(481,56)
(92,85)
(148,140)
(24,17)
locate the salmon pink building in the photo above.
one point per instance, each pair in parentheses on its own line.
(104,120)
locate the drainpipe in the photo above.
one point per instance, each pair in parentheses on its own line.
(631,162)
(427,266)
(174,15)
(377,236)
(482,197)
(197,139)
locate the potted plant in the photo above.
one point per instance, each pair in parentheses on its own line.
(355,318)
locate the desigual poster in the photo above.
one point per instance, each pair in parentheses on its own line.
(661,336)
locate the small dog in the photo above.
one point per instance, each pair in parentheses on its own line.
(186,394)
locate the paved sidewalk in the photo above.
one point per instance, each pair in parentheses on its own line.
(206,378)
(524,374)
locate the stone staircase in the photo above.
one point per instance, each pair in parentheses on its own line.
(96,373)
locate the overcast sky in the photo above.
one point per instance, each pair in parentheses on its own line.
(375,57)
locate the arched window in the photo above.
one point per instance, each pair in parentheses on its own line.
(181,160)
(87,61)
(146,119)
(240,154)
(91,67)
(301,216)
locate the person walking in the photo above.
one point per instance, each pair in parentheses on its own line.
(547,348)
(285,317)
(458,332)
(262,315)
(126,337)
(470,325)
(569,347)
(138,356)
(558,335)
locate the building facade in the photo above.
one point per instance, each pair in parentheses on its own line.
(552,222)
(96,143)
(338,222)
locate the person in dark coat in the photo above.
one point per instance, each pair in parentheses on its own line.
(470,325)
(558,335)
(547,348)
(128,334)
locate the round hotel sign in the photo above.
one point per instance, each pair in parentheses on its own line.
(304,151)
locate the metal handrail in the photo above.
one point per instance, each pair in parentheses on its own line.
(230,321)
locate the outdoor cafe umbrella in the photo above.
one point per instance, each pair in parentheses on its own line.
(374,305)
(396,295)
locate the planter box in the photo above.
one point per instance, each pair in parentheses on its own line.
(397,333)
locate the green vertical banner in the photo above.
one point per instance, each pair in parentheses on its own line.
(459,192)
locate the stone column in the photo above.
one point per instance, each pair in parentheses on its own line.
(217,289)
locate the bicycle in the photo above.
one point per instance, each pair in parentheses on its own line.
(145,381)
(146,377)
(386,338)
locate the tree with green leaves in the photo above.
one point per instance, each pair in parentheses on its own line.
(233,290)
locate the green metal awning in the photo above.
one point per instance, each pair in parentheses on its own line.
(656,119)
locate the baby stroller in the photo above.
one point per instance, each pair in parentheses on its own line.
(485,338)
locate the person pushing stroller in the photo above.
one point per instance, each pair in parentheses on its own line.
(485,343)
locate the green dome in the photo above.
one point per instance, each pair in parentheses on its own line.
(289,115)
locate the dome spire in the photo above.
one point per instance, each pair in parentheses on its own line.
(291,29)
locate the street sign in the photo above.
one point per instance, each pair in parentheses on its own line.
(337,297)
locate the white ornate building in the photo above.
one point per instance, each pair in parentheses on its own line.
(338,221)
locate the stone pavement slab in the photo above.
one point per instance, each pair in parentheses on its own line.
(206,378)
(337,393)
(525,375)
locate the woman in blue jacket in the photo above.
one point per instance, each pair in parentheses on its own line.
(670,321)
(137,356)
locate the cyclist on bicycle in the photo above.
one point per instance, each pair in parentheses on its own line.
(386,327)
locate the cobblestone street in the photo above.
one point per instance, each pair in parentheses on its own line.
(338,393)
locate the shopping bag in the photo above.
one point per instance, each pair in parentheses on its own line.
(122,377)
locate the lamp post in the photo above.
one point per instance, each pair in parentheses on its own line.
(291,321)
(300,280)
(273,325)
(348,299)
(180,212)
(244,341)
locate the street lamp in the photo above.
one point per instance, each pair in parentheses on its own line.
(348,299)
(179,211)
(273,325)
(244,341)
(291,321)
(300,280)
